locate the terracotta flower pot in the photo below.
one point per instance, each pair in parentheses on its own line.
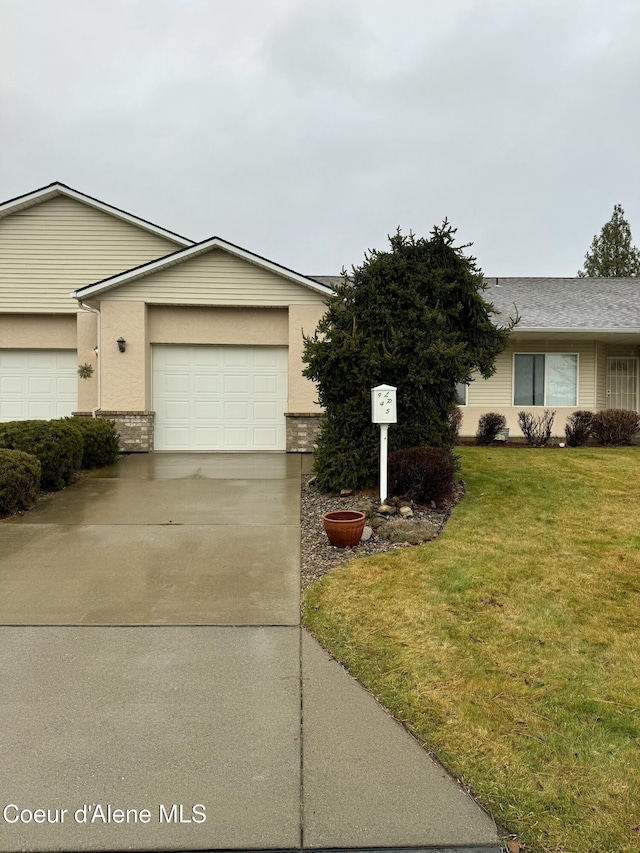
(344,527)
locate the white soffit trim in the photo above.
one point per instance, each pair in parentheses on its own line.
(191,252)
(52,190)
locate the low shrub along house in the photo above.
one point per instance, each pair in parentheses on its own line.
(198,346)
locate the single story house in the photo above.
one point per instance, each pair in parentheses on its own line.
(197,346)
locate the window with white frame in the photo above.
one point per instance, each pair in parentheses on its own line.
(461,393)
(545,379)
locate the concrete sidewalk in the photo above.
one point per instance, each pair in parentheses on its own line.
(154,664)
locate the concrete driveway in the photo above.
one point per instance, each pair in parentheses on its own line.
(162,539)
(159,694)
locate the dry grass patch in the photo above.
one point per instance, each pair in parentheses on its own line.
(511,644)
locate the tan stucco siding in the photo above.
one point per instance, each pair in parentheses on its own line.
(215,278)
(124,376)
(87,340)
(216,325)
(37,332)
(303,394)
(61,244)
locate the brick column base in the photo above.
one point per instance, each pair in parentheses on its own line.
(302,430)
(134,428)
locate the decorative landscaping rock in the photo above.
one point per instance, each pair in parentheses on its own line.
(366,534)
(387,509)
(318,556)
(412,532)
(406,512)
(366,506)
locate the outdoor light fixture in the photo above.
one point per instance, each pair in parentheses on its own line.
(122,344)
(96,351)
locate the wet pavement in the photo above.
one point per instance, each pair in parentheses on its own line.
(157,684)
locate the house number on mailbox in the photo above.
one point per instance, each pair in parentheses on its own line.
(383,404)
(383,412)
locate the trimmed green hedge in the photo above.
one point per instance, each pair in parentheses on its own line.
(101,441)
(57,444)
(19,481)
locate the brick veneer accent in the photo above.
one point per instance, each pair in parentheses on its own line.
(302,431)
(135,428)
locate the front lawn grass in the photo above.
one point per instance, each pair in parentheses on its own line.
(510,645)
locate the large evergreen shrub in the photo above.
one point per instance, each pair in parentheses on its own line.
(413,317)
(19,481)
(101,441)
(57,444)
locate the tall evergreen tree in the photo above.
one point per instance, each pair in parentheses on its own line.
(413,317)
(612,253)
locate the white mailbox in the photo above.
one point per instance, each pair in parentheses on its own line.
(383,404)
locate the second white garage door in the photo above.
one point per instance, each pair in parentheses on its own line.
(219,397)
(38,384)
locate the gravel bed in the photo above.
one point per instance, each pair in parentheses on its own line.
(318,557)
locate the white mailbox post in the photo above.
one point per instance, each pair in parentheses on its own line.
(383,412)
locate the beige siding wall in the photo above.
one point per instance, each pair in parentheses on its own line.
(496,394)
(215,278)
(601,375)
(623,351)
(54,247)
(37,332)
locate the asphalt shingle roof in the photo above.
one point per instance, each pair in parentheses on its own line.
(585,304)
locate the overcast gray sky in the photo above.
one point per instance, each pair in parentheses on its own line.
(308,130)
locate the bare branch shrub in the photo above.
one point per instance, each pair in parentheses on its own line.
(616,426)
(536,428)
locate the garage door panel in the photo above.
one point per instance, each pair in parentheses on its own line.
(42,385)
(177,383)
(178,437)
(207,410)
(12,411)
(38,384)
(265,357)
(13,385)
(234,399)
(266,438)
(177,411)
(66,386)
(237,357)
(205,357)
(206,437)
(236,411)
(266,385)
(236,384)
(236,437)
(206,384)
(264,411)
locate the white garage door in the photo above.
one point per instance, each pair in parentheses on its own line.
(219,397)
(38,384)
